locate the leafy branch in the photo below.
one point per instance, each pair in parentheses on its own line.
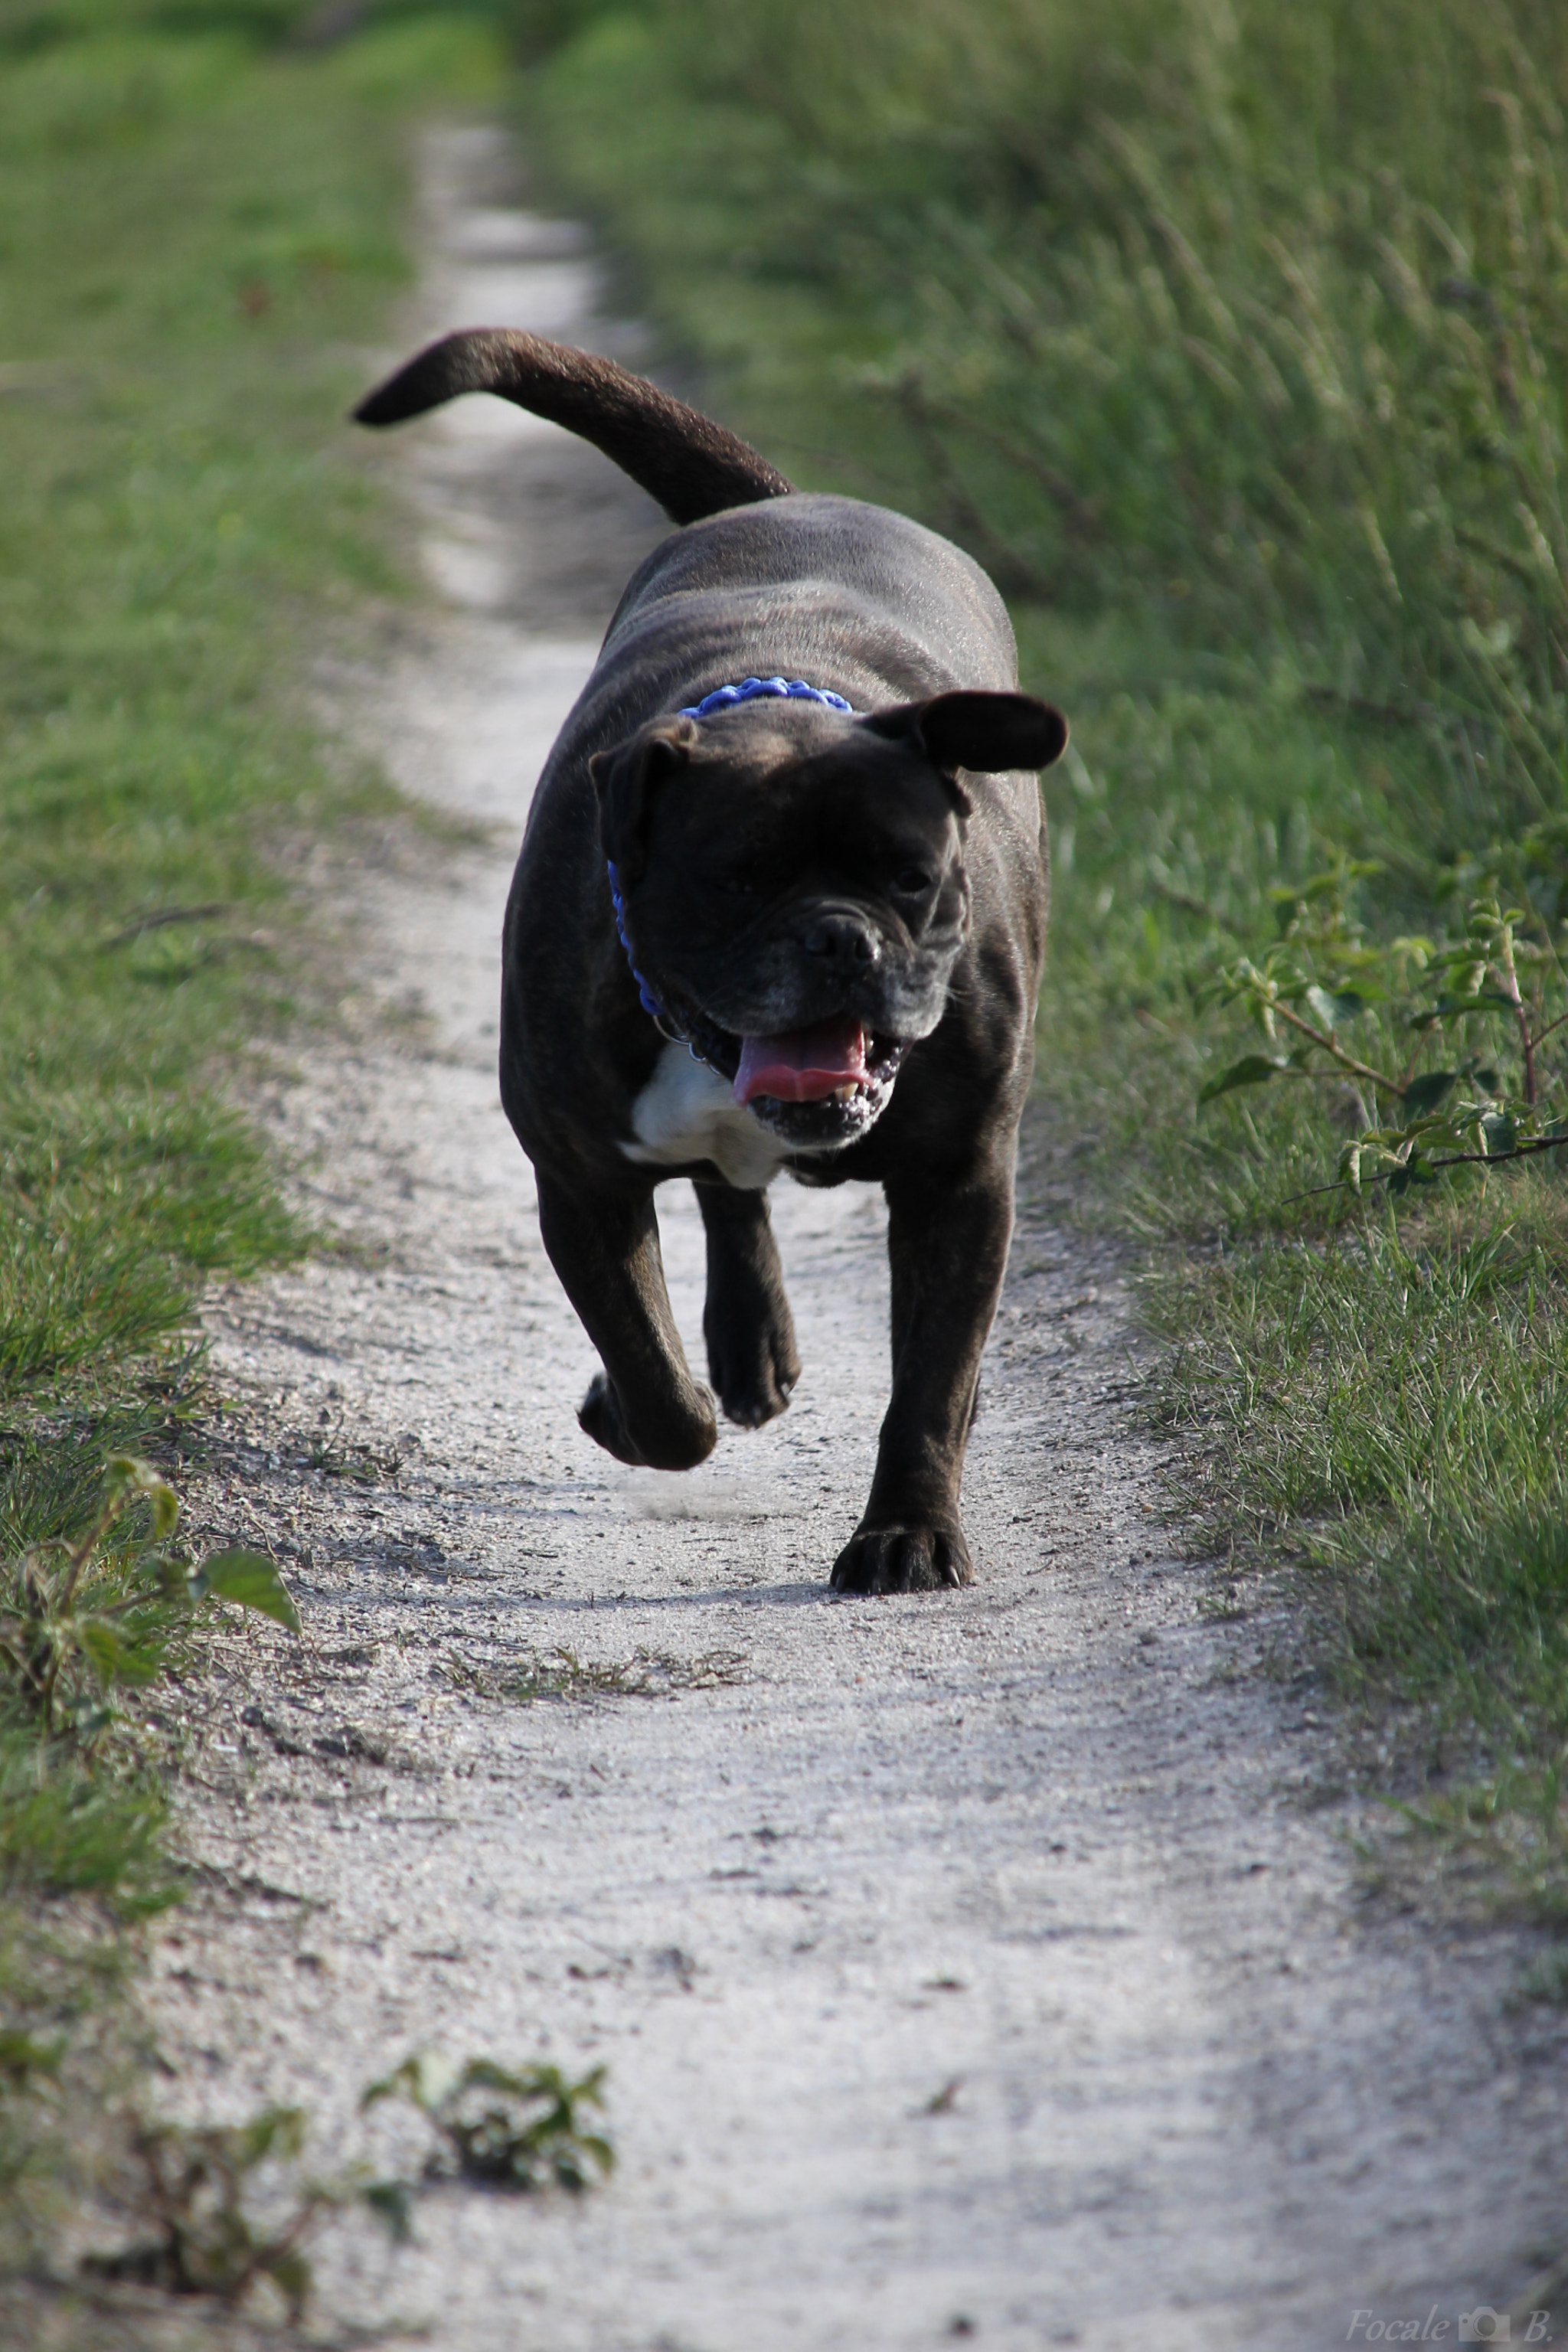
(1322,975)
(1427,1169)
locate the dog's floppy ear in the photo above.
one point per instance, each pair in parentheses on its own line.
(984,732)
(625,779)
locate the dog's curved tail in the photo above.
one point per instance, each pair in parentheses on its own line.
(692,466)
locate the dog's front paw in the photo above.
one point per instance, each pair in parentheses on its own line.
(753,1371)
(907,1556)
(752,1360)
(677,1435)
(600,1416)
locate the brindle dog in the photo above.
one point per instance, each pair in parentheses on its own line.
(796,930)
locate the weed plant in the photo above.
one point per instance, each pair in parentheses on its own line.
(193,2198)
(227,2211)
(76,1620)
(1232,341)
(523,2129)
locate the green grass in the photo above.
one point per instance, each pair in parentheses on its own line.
(201,233)
(1234,343)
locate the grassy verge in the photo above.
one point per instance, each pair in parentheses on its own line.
(1233,342)
(202,224)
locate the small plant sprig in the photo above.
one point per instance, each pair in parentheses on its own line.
(522,2129)
(73,1623)
(203,2238)
(194,2187)
(1308,989)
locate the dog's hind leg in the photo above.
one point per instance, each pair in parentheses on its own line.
(752,1357)
(645,1406)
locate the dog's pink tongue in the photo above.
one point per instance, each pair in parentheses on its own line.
(802,1064)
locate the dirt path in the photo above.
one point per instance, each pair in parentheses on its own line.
(963,1966)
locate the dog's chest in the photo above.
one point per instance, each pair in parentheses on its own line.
(687,1111)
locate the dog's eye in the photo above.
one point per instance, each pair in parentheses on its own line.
(737,885)
(912,881)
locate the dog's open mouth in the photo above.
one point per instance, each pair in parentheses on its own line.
(818,1087)
(824,1063)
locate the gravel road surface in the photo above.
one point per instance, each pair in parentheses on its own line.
(985,1966)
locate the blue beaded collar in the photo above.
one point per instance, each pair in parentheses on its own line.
(794,689)
(649,1001)
(723,697)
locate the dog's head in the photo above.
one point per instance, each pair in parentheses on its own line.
(794,885)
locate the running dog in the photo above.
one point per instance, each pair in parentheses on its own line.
(781,904)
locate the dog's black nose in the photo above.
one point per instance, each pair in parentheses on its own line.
(842,941)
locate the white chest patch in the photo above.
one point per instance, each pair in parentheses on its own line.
(687,1111)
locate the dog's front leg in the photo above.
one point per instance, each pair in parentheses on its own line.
(948,1244)
(643,1407)
(752,1357)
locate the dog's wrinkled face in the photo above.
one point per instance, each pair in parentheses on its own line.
(795,890)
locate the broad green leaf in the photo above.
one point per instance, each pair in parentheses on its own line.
(392,2202)
(1334,1008)
(423,2077)
(102,1647)
(128,1475)
(1460,959)
(86,1721)
(250,1578)
(435,2077)
(170,1578)
(21,2057)
(1320,885)
(1441,1131)
(1252,1070)
(1423,1093)
(291,2274)
(484,2074)
(1499,1134)
(276,2131)
(1454,1007)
